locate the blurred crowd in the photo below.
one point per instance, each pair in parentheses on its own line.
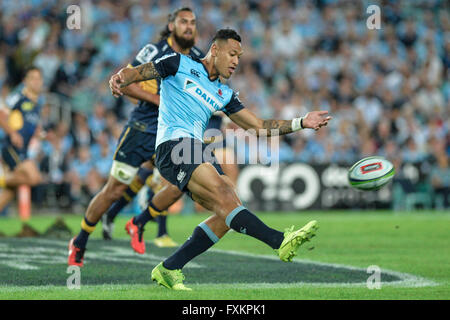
(387,89)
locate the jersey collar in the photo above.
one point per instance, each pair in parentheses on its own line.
(204,68)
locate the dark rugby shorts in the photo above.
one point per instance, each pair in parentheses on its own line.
(177,159)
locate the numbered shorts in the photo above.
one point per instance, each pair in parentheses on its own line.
(177,159)
(134,148)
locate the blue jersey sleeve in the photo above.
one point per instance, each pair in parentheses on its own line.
(233,106)
(167,65)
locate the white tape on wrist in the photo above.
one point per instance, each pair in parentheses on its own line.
(297,124)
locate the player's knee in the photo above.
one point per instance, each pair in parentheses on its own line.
(174,192)
(223,194)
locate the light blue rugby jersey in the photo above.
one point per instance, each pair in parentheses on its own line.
(188,98)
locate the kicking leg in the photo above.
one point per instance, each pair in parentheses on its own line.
(217,194)
(240,219)
(221,198)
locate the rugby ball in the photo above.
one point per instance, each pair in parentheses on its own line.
(371,173)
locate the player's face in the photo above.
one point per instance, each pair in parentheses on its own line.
(185,29)
(33,81)
(227,57)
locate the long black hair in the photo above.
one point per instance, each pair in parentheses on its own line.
(165,33)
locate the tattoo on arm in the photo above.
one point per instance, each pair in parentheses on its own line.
(283,127)
(147,71)
(142,72)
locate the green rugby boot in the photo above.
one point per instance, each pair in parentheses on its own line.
(172,279)
(294,239)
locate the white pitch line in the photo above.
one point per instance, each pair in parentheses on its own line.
(407,280)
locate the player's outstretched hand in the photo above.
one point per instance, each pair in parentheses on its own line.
(114,84)
(316,119)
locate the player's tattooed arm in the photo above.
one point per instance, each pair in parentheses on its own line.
(126,76)
(248,120)
(313,120)
(147,71)
(277,127)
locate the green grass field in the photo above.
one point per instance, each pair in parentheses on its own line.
(411,249)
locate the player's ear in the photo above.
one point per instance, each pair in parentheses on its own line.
(214,49)
(170,26)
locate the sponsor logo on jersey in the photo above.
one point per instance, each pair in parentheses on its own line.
(123,175)
(195,73)
(205,97)
(27,106)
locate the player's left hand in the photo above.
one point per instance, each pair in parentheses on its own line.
(316,119)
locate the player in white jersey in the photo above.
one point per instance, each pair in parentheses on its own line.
(190,93)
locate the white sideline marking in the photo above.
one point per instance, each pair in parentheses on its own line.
(18,265)
(23,256)
(407,280)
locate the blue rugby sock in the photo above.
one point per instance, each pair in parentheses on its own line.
(201,240)
(116,207)
(243,221)
(147,215)
(86,229)
(162,225)
(161,219)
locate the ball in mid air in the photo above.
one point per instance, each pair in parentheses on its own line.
(371,173)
